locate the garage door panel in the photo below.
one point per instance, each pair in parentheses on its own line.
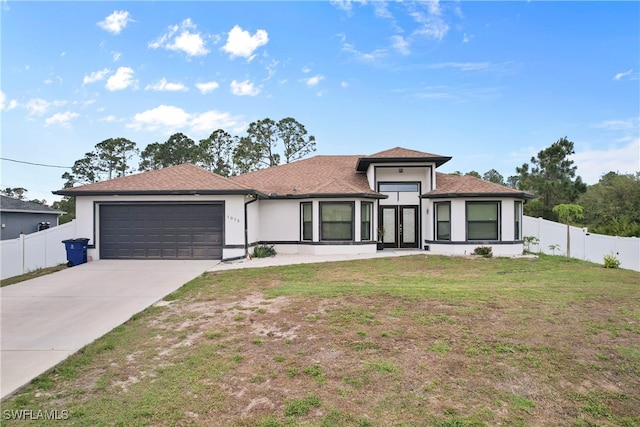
(161,231)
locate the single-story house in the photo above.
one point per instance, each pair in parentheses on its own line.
(23,217)
(318,205)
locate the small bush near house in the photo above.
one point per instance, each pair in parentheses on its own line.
(263,251)
(530,241)
(484,251)
(611,262)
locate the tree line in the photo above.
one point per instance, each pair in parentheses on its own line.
(266,143)
(610,206)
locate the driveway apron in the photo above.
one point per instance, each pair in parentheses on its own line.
(47,319)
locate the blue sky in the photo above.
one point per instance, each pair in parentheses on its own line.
(488,83)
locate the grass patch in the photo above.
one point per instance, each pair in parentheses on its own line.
(32,275)
(300,407)
(403,341)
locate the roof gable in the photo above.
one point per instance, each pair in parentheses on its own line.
(469,186)
(400,155)
(186,178)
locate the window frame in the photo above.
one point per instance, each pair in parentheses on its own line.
(399,185)
(497,221)
(352,206)
(369,227)
(302,221)
(437,222)
(517,226)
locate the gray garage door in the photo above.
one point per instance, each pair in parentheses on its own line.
(180,231)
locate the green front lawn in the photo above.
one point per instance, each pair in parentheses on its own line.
(408,341)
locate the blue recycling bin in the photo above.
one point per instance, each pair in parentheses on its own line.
(76,251)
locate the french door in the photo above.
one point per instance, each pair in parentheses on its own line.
(400,226)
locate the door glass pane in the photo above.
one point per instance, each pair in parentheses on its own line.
(389,224)
(408,225)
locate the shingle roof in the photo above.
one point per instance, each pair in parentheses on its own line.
(9,204)
(318,176)
(181,179)
(470,186)
(399,154)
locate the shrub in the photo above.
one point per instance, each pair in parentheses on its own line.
(484,251)
(263,251)
(611,262)
(530,241)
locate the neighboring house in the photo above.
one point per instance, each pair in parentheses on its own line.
(22,217)
(319,205)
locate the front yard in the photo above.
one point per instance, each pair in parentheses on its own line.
(411,341)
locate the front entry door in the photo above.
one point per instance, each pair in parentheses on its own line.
(400,226)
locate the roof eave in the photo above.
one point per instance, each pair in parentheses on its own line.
(364,162)
(52,212)
(158,192)
(522,195)
(328,196)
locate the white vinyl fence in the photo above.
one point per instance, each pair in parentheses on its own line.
(584,245)
(36,250)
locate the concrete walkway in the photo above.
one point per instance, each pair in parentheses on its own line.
(289,259)
(46,319)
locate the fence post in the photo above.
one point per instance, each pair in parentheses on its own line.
(22,250)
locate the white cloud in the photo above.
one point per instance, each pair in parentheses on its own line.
(109,119)
(61,119)
(163,117)
(430,21)
(618,124)
(207,87)
(164,86)
(346,5)
(37,106)
(115,22)
(241,43)
(95,76)
(169,119)
(466,38)
(344,84)
(400,44)
(362,56)
(592,164)
(183,37)
(619,76)
(313,81)
(244,88)
(122,79)
(209,120)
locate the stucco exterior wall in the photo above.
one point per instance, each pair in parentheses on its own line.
(88,218)
(279,220)
(458,244)
(279,224)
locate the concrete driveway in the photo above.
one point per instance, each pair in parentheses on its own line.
(46,319)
